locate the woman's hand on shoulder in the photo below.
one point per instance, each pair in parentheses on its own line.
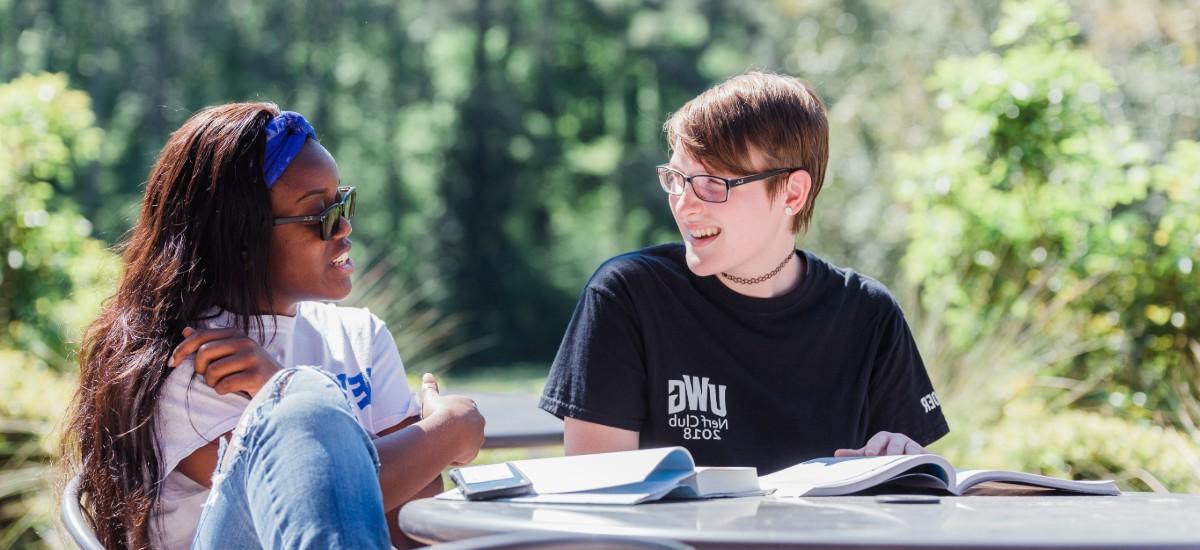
(229,360)
(885,443)
(456,412)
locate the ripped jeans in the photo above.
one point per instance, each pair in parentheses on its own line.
(299,472)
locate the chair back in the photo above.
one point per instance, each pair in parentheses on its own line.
(74,520)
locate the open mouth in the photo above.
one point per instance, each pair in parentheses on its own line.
(704,234)
(343,261)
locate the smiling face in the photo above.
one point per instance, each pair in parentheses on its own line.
(303,267)
(746,235)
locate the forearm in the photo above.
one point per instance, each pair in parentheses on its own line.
(411,457)
(399,539)
(581,437)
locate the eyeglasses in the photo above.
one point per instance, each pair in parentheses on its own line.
(331,217)
(709,188)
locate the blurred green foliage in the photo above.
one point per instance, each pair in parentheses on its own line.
(53,277)
(1049,249)
(52,274)
(506,148)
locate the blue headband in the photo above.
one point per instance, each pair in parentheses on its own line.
(286,134)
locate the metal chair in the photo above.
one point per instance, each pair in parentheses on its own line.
(559,541)
(73,519)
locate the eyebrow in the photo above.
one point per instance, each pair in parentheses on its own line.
(680,170)
(317,191)
(311,192)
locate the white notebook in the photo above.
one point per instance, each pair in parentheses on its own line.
(631,477)
(844,476)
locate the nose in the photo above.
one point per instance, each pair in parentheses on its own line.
(344,229)
(687,202)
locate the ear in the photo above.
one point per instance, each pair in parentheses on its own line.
(795,191)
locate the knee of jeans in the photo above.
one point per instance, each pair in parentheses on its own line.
(262,408)
(298,400)
(311,408)
(312,403)
(294,381)
(298,379)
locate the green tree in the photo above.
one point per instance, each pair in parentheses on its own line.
(52,279)
(505,148)
(1050,250)
(52,274)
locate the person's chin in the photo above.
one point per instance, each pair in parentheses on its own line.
(344,292)
(336,291)
(697,264)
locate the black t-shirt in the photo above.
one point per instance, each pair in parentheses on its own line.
(741,381)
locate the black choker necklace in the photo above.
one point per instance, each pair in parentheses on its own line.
(760,278)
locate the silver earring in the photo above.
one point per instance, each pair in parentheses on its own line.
(788,211)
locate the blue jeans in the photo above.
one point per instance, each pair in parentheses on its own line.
(299,472)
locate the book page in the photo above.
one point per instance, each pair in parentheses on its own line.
(714,481)
(658,484)
(569,474)
(970,478)
(840,476)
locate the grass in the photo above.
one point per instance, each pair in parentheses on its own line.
(527,378)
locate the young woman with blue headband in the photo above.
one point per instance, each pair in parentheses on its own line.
(222,400)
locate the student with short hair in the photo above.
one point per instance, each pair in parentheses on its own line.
(735,344)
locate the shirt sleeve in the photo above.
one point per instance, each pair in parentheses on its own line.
(901,397)
(393,399)
(599,374)
(190,414)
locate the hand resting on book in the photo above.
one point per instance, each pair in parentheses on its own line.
(885,443)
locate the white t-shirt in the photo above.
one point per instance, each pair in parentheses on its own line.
(349,343)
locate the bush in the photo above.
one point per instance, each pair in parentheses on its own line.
(53,277)
(1049,249)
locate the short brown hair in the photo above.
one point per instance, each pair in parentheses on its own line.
(779,116)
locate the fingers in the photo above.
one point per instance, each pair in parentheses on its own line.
(431,397)
(913,448)
(193,339)
(430,392)
(225,367)
(884,443)
(876,445)
(880,443)
(215,350)
(241,381)
(429,383)
(896,444)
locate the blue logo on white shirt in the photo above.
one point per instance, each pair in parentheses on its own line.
(358,387)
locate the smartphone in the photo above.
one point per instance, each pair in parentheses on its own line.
(491,481)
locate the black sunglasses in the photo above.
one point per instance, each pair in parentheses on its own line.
(329,218)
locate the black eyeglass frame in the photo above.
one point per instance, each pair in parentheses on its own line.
(344,208)
(729,183)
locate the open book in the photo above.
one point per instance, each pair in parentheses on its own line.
(626,477)
(844,476)
(631,477)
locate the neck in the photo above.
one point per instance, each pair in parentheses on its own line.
(286,308)
(283,310)
(782,283)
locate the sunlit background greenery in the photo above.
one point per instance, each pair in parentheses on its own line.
(1025,176)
